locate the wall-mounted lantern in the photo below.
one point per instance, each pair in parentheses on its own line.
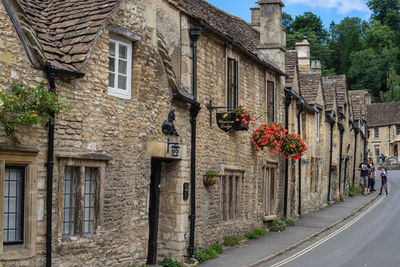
(173,149)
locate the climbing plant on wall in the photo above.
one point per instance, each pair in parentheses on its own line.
(25,106)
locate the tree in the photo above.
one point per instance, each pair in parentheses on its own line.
(380,36)
(387,12)
(393,84)
(287,21)
(346,38)
(310,22)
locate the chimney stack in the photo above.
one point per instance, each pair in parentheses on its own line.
(272,33)
(303,55)
(255,17)
(316,66)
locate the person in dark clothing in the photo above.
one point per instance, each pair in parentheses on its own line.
(372,177)
(364,176)
(384,181)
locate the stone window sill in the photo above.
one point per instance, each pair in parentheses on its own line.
(16,252)
(270,218)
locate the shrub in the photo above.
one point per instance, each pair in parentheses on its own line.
(251,236)
(354,190)
(288,221)
(218,248)
(277,225)
(167,262)
(260,232)
(231,241)
(201,256)
(341,198)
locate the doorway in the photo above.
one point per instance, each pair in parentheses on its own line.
(154,210)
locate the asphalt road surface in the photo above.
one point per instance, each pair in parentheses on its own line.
(369,238)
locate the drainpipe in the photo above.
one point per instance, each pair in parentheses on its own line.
(288,101)
(355,156)
(52,72)
(51,75)
(340,158)
(194,111)
(330,162)
(299,132)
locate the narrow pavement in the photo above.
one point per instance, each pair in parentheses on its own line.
(309,228)
(372,240)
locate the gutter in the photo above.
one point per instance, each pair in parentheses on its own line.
(332,122)
(52,72)
(341,129)
(356,130)
(288,101)
(194,111)
(299,132)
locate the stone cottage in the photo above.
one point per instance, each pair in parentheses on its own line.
(383,120)
(121,173)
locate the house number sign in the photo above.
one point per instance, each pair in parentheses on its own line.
(226,120)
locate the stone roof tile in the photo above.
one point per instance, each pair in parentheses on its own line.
(381,114)
(309,85)
(66,30)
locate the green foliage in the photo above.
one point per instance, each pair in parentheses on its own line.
(231,241)
(218,248)
(311,23)
(386,11)
(288,221)
(393,92)
(260,232)
(341,197)
(277,225)
(209,253)
(354,190)
(251,236)
(167,262)
(26,106)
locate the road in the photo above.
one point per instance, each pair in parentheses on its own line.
(370,238)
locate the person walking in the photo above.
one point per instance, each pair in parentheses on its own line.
(364,167)
(372,176)
(384,181)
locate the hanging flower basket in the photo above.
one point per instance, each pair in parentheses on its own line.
(243,118)
(293,147)
(268,136)
(210,177)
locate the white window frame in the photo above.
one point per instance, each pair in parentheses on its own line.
(115,91)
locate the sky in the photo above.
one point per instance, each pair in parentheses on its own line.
(328,10)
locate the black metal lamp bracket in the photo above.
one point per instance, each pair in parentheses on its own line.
(211,108)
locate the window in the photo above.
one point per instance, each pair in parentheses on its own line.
(14,191)
(230,192)
(233,84)
(377,152)
(376,133)
(82,197)
(397,129)
(120,67)
(318,125)
(71,207)
(268,189)
(314,175)
(270,102)
(18,204)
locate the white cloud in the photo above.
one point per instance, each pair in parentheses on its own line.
(342,6)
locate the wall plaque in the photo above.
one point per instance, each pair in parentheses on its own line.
(226,121)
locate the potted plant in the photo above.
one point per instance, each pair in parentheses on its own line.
(243,118)
(210,177)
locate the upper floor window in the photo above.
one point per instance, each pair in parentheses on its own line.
(397,129)
(270,102)
(233,84)
(376,133)
(120,68)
